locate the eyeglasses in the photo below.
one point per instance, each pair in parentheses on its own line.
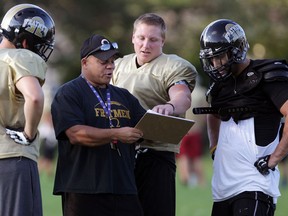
(104,47)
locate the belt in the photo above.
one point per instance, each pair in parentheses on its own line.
(221,111)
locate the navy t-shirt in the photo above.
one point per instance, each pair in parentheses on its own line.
(82,169)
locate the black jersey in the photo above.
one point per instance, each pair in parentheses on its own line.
(261,97)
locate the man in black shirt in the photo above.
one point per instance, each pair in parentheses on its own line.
(94,124)
(248,98)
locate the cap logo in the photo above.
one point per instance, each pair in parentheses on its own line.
(104,41)
(35,25)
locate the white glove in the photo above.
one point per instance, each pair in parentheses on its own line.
(19,137)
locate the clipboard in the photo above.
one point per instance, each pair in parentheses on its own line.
(164,128)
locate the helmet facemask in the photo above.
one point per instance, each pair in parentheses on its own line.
(220,71)
(44,50)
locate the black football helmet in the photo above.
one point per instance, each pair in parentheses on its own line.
(30,22)
(219,38)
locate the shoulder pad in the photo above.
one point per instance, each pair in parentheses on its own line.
(273,69)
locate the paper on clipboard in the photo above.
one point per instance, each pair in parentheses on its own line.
(163,128)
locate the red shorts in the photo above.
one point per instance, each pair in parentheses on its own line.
(191,145)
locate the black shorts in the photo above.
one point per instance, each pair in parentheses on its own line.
(252,203)
(155,177)
(75,204)
(20,187)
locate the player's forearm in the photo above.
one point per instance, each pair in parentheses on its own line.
(181,105)
(213,125)
(180,97)
(33,109)
(282,149)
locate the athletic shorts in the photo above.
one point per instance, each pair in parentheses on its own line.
(252,203)
(75,204)
(20,187)
(155,177)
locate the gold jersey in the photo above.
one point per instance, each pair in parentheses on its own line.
(150,83)
(15,64)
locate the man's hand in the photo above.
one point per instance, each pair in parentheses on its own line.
(262,165)
(19,137)
(165,109)
(128,134)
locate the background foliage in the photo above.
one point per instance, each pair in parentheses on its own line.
(264,21)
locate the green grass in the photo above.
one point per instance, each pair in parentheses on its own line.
(51,203)
(195,201)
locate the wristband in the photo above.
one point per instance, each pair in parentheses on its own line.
(172,106)
(212,150)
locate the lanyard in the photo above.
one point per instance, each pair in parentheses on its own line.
(107,110)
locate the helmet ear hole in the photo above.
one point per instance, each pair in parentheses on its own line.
(236,55)
(241,51)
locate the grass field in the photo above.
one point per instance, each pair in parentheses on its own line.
(195,201)
(198,201)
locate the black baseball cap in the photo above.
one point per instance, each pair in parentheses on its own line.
(100,47)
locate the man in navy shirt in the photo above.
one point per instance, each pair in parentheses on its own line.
(94,124)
